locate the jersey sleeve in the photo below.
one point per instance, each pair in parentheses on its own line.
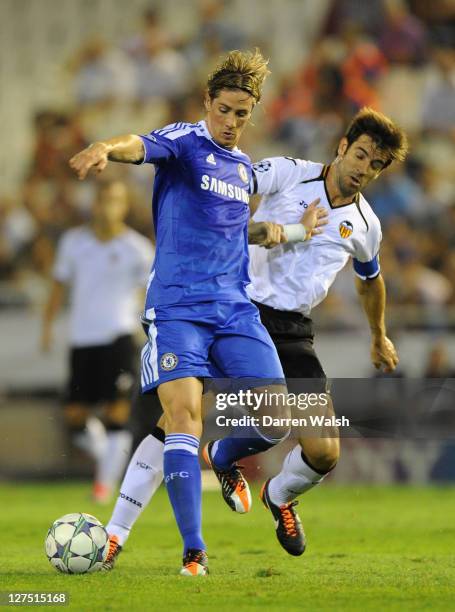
(165,144)
(276,174)
(63,265)
(366,260)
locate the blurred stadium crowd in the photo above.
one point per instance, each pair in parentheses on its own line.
(395,55)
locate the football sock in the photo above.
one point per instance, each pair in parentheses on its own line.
(92,439)
(296,477)
(244,442)
(182,475)
(110,466)
(143,477)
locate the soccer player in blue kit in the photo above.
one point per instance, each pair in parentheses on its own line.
(197,308)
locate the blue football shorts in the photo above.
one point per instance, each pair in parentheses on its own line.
(207,340)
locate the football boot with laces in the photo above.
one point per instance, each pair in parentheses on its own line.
(288,525)
(195,563)
(234,487)
(114,550)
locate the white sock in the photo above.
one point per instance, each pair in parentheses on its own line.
(110,467)
(143,477)
(296,477)
(93,439)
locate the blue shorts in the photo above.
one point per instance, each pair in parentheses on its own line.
(207,340)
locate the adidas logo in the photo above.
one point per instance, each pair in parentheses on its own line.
(211,159)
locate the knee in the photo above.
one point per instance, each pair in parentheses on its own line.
(274,414)
(322,453)
(274,434)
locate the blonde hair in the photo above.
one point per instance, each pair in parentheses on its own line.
(239,70)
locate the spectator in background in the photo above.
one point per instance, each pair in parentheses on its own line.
(402,37)
(161,71)
(396,196)
(103,263)
(438,363)
(438,102)
(424,286)
(362,68)
(369,15)
(102,75)
(307,114)
(17,229)
(57,135)
(449,270)
(214,35)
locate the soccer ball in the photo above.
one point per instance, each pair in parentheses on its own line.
(77,543)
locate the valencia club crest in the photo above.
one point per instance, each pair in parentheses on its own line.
(345,228)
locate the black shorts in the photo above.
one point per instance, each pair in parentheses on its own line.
(102,373)
(292,334)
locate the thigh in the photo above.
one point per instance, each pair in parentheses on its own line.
(299,359)
(175,349)
(243,347)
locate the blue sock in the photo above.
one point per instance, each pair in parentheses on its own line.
(243,443)
(182,475)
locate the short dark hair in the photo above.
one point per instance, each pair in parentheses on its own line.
(387,135)
(239,70)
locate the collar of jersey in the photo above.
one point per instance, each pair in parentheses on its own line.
(206,133)
(323,176)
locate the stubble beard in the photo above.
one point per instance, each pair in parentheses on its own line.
(344,189)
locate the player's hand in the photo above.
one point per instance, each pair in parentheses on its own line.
(383,354)
(266,234)
(314,218)
(93,157)
(273,235)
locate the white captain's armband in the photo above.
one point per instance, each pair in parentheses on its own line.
(367,270)
(294,232)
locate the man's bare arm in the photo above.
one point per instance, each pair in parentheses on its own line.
(269,234)
(372,295)
(265,233)
(127,149)
(53,305)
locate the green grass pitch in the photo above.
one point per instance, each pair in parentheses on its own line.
(384,548)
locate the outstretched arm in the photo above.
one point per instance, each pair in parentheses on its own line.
(128,149)
(373,299)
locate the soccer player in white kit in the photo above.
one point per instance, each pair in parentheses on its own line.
(287,282)
(291,279)
(105,264)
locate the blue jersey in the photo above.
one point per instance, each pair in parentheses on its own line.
(201,213)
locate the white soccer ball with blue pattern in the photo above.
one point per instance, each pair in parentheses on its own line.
(77,544)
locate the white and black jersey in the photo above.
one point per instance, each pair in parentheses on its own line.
(297,276)
(104,278)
